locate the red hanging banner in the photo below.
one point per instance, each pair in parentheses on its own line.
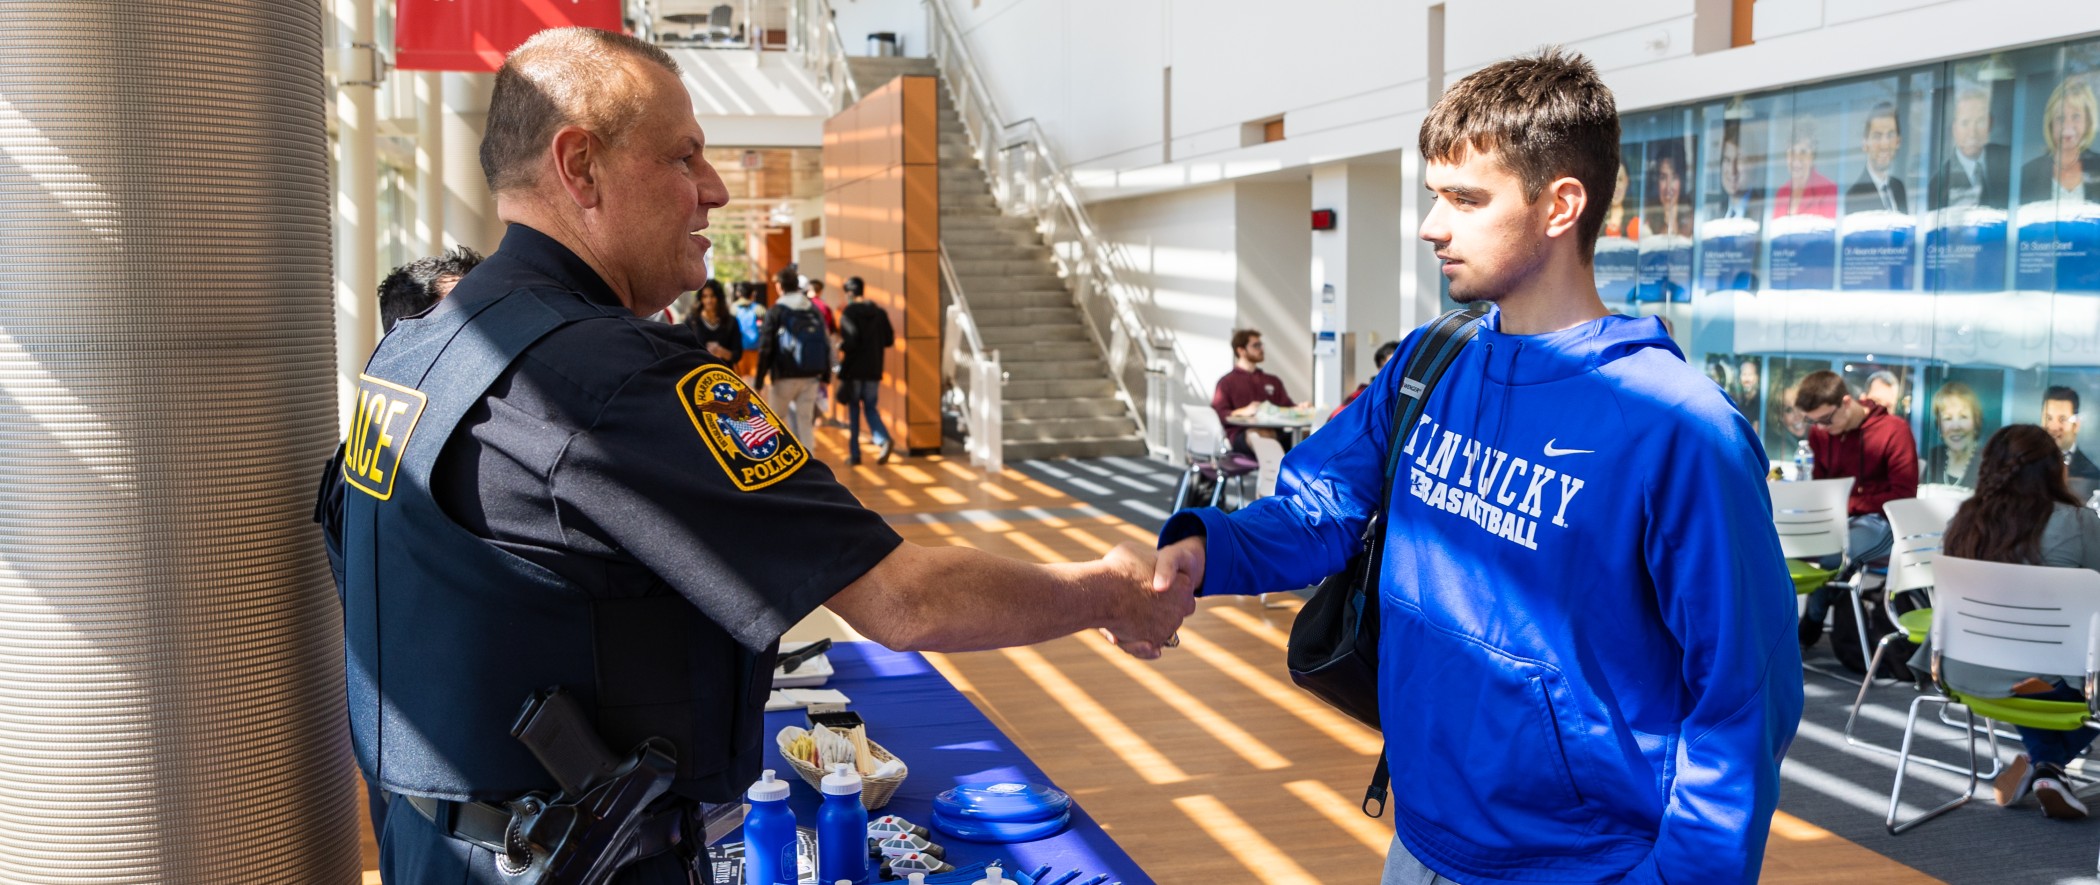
(475,35)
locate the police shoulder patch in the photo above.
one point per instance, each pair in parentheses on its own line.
(379,429)
(747,439)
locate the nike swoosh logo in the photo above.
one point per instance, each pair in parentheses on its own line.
(1552,452)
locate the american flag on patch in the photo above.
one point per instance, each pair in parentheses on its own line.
(754,431)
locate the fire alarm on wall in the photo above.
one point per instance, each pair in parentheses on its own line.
(1324,219)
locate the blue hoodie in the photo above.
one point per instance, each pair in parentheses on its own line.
(1588,666)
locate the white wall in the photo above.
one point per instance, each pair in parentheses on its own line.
(752,99)
(1272,288)
(1351,77)
(859,18)
(1181,247)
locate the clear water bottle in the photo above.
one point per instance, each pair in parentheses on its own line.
(842,828)
(1804,462)
(769,834)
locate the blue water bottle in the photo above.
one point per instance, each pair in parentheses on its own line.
(842,828)
(769,834)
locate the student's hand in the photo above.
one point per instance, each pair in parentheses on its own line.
(1150,621)
(1245,410)
(720,352)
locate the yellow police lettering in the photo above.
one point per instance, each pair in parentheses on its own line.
(360,459)
(380,427)
(375,417)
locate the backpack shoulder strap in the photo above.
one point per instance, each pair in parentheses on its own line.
(1440,347)
(1441,344)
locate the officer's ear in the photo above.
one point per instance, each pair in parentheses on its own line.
(577,151)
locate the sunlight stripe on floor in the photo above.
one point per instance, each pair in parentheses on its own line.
(1246,844)
(1347,816)
(1270,634)
(1149,763)
(1344,730)
(1146,509)
(1198,713)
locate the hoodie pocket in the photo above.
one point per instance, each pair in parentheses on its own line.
(1479,741)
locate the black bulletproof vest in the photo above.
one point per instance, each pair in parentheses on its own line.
(447,635)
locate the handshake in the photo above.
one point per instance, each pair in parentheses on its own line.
(1157,589)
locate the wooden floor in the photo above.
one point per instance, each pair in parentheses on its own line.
(1207,766)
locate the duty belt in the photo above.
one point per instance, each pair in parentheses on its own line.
(486,825)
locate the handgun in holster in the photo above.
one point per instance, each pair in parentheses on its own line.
(587,832)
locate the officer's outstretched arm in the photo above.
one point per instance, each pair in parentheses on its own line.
(959,599)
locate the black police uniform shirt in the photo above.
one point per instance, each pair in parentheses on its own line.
(584,458)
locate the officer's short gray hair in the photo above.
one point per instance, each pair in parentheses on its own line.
(563,77)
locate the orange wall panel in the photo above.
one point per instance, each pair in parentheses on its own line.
(882,223)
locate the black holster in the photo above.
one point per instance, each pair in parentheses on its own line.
(586,832)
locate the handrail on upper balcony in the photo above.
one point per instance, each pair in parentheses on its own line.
(1027,179)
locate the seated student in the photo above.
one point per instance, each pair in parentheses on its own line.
(1385,352)
(2023,512)
(1246,387)
(1858,438)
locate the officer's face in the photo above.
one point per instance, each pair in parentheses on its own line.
(656,201)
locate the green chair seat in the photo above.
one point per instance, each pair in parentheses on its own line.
(2051,715)
(1916,625)
(1807,577)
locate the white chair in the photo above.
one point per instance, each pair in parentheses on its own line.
(1933,490)
(1203,439)
(1810,517)
(1269,454)
(2024,618)
(1917,524)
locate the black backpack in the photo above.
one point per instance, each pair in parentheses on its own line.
(805,351)
(1333,652)
(1844,635)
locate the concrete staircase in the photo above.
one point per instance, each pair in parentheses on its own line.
(1060,400)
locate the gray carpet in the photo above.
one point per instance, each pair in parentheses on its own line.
(1827,783)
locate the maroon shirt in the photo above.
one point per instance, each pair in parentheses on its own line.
(1240,387)
(1879,455)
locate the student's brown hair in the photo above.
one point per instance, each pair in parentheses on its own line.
(1819,389)
(1545,116)
(1240,337)
(2019,482)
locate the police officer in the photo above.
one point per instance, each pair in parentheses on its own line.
(545,490)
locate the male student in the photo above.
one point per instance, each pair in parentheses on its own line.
(1586,671)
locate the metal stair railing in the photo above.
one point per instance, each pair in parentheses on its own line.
(813,34)
(973,372)
(1027,180)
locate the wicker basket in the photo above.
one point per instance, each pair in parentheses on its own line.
(875,792)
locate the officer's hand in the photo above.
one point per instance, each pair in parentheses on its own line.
(1155,612)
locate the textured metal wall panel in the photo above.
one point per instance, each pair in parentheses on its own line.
(170,645)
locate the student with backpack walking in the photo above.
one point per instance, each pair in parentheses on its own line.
(864,333)
(794,352)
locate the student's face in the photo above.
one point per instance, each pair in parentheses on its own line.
(1972,126)
(1253,352)
(1957,425)
(2061,422)
(1801,161)
(1733,181)
(1669,185)
(1883,140)
(1489,238)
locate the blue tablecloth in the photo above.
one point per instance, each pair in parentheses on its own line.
(913,712)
